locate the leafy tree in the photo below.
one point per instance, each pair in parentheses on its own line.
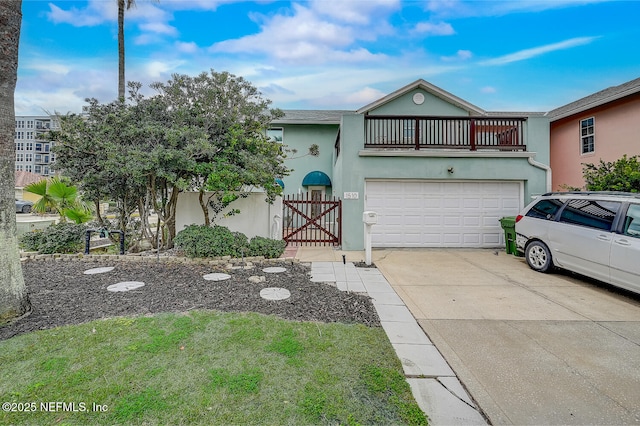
(206,133)
(96,151)
(14,300)
(620,175)
(238,156)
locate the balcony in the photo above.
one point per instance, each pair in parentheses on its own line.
(463,133)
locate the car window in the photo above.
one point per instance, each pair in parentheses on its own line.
(590,213)
(545,209)
(632,221)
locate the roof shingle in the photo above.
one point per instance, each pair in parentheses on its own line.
(602,97)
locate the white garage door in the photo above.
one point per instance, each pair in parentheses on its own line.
(441,214)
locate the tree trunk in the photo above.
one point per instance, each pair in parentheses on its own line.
(204,206)
(121,77)
(172,204)
(14,300)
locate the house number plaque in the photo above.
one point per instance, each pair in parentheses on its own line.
(351,196)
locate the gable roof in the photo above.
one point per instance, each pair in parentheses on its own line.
(429,88)
(602,97)
(311,116)
(25,178)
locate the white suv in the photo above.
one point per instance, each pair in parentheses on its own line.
(596,234)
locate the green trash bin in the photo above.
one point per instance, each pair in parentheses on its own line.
(508,223)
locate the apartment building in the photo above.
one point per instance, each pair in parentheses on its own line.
(33,152)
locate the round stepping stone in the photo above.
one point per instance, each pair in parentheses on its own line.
(125,286)
(216,276)
(101,270)
(274,269)
(275,293)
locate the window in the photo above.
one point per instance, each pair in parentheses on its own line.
(38,169)
(29,135)
(275,135)
(28,157)
(28,168)
(590,213)
(632,221)
(19,156)
(20,146)
(29,146)
(30,124)
(587,136)
(545,209)
(39,147)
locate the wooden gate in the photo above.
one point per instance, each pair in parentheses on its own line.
(311,219)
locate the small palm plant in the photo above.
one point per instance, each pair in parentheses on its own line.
(60,196)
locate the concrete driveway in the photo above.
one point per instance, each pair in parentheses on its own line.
(531,348)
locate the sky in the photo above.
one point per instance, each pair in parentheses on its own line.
(517,56)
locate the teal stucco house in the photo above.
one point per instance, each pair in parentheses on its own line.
(437,170)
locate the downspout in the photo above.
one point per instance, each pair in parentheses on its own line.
(544,167)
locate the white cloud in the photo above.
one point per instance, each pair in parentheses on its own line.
(158,69)
(95,13)
(159,28)
(464,54)
(48,67)
(364,96)
(315,35)
(473,8)
(488,90)
(186,47)
(356,12)
(537,51)
(441,28)
(461,55)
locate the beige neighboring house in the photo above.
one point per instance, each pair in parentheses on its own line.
(602,126)
(23,179)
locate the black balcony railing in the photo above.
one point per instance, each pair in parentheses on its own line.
(420,132)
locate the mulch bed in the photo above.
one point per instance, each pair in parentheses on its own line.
(61,294)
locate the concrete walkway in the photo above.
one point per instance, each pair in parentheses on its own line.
(435,386)
(530,348)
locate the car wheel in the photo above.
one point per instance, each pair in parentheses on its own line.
(538,256)
(26,209)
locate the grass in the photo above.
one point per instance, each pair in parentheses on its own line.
(208,368)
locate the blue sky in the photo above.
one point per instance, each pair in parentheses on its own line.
(324,54)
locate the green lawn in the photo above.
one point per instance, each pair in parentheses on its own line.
(204,368)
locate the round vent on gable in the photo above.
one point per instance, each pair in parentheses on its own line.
(418,99)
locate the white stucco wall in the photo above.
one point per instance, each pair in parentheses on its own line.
(256,217)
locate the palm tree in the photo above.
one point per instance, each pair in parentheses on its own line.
(56,194)
(122,5)
(14,301)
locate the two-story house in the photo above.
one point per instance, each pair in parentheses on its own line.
(437,170)
(602,126)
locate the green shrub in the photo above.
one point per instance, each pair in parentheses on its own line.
(270,249)
(32,240)
(208,241)
(63,237)
(211,241)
